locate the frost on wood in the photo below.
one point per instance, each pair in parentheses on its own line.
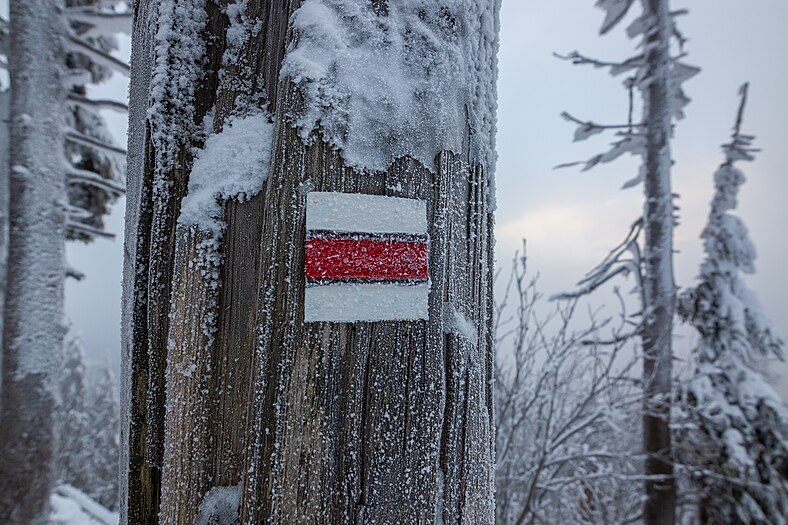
(454,322)
(319,422)
(233,165)
(179,47)
(417,81)
(220,506)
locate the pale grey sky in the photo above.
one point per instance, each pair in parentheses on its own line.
(572,218)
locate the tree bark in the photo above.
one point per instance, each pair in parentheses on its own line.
(659,287)
(33,336)
(368,422)
(5,139)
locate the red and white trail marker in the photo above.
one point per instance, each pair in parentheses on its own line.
(366,258)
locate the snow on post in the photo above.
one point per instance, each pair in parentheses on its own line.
(231,378)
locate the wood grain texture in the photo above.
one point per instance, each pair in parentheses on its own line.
(321,423)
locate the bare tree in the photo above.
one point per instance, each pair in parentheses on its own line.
(565,404)
(658,75)
(238,408)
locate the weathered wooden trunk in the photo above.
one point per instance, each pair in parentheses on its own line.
(226,386)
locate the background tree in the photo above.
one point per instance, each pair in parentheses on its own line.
(74,449)
(61,179)
(735,437)
(231,396)
(647,251)
(566,445)
(104,439)
(33,331)
(89,424)
(95,167)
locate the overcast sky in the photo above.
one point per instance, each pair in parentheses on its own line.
(570,218)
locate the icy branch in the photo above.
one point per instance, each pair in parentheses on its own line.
(740,146)
(92,104)
(81,227)
(81,139)
(633,143)
(615,10)
(74,273)
(78,176)
(100,57)
(611,266)
(76,77)
(616,68)
(75,213)
(101,22)
(588,128)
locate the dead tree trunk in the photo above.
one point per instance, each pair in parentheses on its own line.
(232,397)
(659,287)
(33,331)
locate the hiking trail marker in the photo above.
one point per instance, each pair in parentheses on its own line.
(366,258)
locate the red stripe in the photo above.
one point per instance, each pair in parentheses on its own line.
(365,259)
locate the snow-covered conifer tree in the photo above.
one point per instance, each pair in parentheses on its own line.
(74,446)
(33,327)
(104,441)
(240,405)
(95,167)
(87,456)
(735,442)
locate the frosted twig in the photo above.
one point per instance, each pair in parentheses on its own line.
(98,103)
(78,176)
(78,45)
(81,139)
(88,230)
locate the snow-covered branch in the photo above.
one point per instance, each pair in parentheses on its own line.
(78,176)
(93,104)
(560,404)
(613,265)
(81,227)
(81,139)
(98,56)
(100,22)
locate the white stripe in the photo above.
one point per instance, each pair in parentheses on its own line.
(356,212)
(347,303)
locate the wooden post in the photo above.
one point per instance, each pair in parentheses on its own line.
(368,422)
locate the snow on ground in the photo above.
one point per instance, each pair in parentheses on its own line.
(71,506)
